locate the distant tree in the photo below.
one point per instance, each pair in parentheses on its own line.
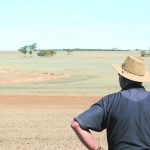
(23,50)
(32,47)
(28,48)
(149,50)
(30,52)
(68,51)
(52,52)
(144,53)
(138,50)
(115,48)
(47,52)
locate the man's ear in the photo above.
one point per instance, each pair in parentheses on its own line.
(122,81)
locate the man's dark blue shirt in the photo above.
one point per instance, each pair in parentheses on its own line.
(125,115)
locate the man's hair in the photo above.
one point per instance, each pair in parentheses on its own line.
(132,82)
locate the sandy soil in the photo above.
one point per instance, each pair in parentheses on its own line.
(42,122)
(12,75)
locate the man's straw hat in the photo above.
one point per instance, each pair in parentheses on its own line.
(133,69)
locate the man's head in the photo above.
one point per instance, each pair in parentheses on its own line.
(132,70)
(126,82)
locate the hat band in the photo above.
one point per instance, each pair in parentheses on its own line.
(130,71)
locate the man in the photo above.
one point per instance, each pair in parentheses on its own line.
(125,114)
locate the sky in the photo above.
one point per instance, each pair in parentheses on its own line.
(122,24)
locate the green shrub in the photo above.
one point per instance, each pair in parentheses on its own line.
(46,53)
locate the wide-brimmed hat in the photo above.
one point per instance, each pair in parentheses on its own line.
(133,68)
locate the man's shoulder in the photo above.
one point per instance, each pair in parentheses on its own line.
(112,95)
(109,99)
(127,94)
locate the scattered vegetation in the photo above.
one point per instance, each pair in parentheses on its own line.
(145,53)
(47,52)
(113,49)
(28,48)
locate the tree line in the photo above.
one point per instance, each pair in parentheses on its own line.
(50,52)
(33,47)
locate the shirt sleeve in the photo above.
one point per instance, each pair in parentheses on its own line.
(94,118)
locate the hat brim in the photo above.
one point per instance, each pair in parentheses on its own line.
(130,76)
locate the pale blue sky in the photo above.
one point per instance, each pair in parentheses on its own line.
(124,24)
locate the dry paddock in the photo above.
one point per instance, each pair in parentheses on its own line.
(42,122)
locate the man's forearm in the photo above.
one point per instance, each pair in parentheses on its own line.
(85,137)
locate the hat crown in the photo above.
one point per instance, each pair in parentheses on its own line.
(134,65)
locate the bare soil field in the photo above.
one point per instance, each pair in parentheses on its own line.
(12,75)
(42,122)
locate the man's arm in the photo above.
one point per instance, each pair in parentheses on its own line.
(85,136)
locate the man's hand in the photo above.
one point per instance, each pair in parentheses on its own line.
(85,136)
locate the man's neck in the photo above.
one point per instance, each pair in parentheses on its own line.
(129,86)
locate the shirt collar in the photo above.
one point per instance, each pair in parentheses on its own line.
(130,86)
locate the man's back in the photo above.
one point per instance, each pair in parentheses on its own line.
(125,115)
(128,119)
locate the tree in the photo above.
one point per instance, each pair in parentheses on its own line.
(28,48)
(30,52)
(115,48)
(32,47)
(144,53)
(52,52)
(138,50)
(68,51)
(23,50)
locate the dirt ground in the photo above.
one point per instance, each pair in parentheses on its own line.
(11,75)
(42,122)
